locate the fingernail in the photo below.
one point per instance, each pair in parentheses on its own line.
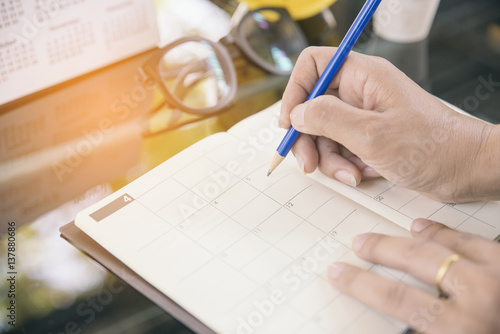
(346,177)
(359,241)
(369,169)
(297,115)
(335,269)
(300,161)
(420,224)
(370,172)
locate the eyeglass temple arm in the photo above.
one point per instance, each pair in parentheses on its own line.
(238,14)
(228,40)
(230,44)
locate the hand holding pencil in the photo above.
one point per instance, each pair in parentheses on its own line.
(328,74)
(374,121)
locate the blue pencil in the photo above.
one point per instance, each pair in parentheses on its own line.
(326,78)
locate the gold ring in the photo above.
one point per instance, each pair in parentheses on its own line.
(442,271)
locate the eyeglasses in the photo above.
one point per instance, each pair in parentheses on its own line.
(198,76)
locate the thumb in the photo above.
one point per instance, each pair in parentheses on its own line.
(327,116)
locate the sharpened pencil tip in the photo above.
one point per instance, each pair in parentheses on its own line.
(276,161)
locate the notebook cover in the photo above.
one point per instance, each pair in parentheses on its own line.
(87,245)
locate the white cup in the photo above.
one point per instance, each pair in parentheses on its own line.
(404,21)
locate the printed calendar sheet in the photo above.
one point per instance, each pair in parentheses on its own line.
(61,39)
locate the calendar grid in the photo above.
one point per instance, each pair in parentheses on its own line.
(246,236)
(63,39)
(284,206)
(11,11)
(452,205)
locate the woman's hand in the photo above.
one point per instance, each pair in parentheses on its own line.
(373,120)
(472,282)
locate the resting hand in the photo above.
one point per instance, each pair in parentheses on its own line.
(472,282)
(373,121)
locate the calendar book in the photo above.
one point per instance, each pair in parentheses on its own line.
(222,247)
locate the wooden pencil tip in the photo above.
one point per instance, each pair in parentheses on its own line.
(276,161)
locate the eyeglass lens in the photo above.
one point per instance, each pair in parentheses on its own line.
(272,38)
(193,74)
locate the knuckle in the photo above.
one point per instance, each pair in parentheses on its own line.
(396,295)
(413,248)
(381,62)
(323,123)
(320,111)
(308,52)
(373,130)
(459,321)
(462,242)
(435,231)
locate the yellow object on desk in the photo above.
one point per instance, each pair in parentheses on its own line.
(298,9)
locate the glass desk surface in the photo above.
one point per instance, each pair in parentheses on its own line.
(60,290)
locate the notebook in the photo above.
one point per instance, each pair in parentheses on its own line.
(235,251)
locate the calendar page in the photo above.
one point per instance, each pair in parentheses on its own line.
(395,203)
(246,253)
(46,42)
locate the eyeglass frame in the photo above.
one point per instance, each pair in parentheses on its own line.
(237,38)
(150,70)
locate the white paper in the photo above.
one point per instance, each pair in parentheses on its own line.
(59,40)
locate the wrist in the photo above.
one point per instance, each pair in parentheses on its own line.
(484,181)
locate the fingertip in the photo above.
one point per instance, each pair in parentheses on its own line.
(305,149)
(334,165)
(297,116)
(342,171)
(346,177)
(335,270)
(307,165)
(300,162)
(283,124)
(341,275)
(420,224)
(369,173)
(359,241)
(311,164)
(284,119)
